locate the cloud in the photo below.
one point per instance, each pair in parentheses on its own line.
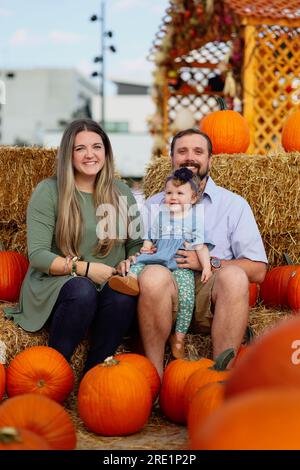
(23,37)
(138,67)
(4,12)
(65,37)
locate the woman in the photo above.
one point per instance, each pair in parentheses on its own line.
(72,253)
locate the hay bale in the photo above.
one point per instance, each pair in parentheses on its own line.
(21,169)
(269,183)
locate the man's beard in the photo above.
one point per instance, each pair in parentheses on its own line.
(190,163)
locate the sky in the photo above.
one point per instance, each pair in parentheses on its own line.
(59,33)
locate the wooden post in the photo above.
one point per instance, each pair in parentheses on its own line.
(249,82)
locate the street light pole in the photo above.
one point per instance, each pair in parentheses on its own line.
(101,59)
(102,65)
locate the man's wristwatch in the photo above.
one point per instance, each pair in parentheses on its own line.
(215,262)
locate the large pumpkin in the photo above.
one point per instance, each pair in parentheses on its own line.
(260,420)
(41,415)
(175,377)
(228,130)
(13,269)
(201,377)
(114,398)
(290,137)
(274,288)
(146,367)
(21,439)
(206,400)
(272,360)
(2,380)
(40,369)
(294,291)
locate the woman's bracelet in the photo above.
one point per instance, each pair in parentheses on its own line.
(66,266)
(87,269)
(74,266)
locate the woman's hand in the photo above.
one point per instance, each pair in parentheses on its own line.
(99,272)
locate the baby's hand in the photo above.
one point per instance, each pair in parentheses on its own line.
(146,250)
(206,275)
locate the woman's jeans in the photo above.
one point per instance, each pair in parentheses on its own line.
(80,307)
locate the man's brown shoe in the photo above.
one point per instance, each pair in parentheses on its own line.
(124,284)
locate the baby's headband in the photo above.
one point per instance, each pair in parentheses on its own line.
(186,175)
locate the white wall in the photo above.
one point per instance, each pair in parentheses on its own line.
(135,109)
(37,99)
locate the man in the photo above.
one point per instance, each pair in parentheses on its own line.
(237,258)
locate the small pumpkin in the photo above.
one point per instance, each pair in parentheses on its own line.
(146,367)
(294,291)
(13,269)
(114,398)
(206,400)
(175,377)
(290,137)
(259,420)
(2,380)
(42,370)
(271,361)
(21,439)
(41,415)
(228,130)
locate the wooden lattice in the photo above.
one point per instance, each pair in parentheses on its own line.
(262,76)
(190,89)
(275,85)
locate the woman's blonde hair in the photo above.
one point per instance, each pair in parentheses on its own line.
(69,225)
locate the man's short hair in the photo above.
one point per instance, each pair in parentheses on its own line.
(191,131)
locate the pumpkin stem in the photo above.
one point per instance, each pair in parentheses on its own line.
(223,360)
(221,102)
(41,383)
(110,361)
(287,259)
(9,434)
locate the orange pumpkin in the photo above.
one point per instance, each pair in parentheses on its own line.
(41,415)
(175,377)
(228,130)
(21,439)
(290,137)
(272,360)
(13,269)
(114,398)
(213,373)
(2,380)
(274,288)
(40,369)
(146,367)
(294,291)
(206,400)
(260,420)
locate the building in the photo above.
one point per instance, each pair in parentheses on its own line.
(41,100)
(126,114)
